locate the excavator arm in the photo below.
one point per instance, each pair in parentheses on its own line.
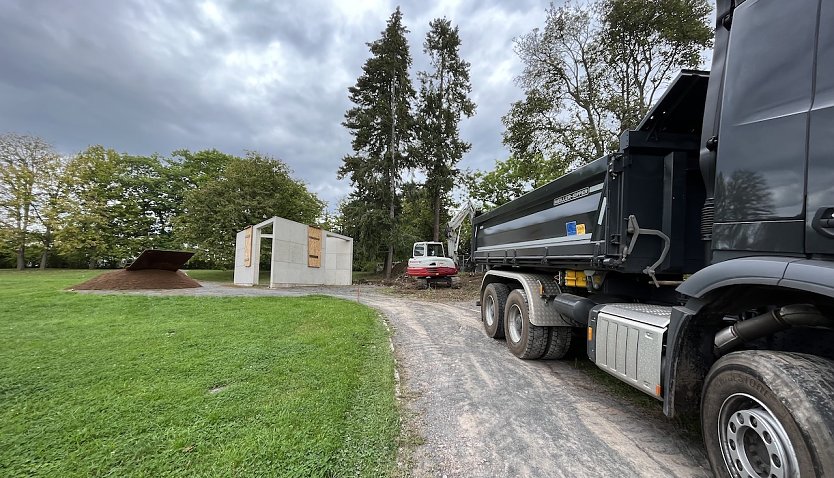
(453,230)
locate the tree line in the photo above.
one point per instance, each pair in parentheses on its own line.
(101,208)
(592,71)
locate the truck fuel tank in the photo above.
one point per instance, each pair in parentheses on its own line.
(626,340)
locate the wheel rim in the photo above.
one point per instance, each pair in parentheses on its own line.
(753,442)
(515,321)
(489,317)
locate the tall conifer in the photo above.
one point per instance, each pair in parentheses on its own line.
(444,99)
(382,125)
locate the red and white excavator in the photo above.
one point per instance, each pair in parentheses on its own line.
(429,264)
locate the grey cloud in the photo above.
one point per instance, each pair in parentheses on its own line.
(146,77)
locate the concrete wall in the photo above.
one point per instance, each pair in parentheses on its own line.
(245,275)
(289,257)
(339,259)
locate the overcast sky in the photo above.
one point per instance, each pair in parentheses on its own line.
(272,76)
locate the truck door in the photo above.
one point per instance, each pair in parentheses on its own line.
(819,231)
(762,156)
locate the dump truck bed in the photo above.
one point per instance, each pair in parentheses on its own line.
(586,218)
(553,223)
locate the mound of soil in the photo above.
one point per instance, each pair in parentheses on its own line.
(142,279)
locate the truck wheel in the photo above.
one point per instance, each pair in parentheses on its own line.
(558,342)
(525,340)
(454,282)
(769,414)
(492,309)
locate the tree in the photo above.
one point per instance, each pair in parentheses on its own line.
(382,126)
(510,179)
(245,192)
(562,117)
(27,167)
(645,44)
(444,98)
(186,171)
(194,169)
(417,214)
(50,206)
(595,70)
(361,222)
(97,225)
(150,194)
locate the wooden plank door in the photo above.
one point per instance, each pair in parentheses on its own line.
(313,246)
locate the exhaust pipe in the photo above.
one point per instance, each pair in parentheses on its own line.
(574,307)
(768,323)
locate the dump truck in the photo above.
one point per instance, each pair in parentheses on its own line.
(696,263)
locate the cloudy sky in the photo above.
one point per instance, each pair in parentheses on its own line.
(269,75)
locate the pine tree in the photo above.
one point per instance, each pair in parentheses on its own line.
(382,127)
(444,99)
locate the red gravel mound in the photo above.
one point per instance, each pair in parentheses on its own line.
(141,279)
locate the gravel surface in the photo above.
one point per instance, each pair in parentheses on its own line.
(477,411)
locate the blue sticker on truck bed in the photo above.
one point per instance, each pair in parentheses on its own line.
(571,228)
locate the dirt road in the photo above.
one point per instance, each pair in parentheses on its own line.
(480,412)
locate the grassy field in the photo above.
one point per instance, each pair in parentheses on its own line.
(222,276)
(109,385)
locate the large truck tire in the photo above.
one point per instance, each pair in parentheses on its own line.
(492,309)
(558,342)
(525,340)
(769,414)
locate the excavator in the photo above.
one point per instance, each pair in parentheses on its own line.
(429,265)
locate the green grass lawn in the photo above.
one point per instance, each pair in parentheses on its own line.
(113,385)
(215,275)
(222,276)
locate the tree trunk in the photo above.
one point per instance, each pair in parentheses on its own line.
(437,192)
(389,259)
(47,244)
(436,201)
(21,250)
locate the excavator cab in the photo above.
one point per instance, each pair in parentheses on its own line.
(428,249)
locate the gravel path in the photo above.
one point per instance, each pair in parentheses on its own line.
(483,413)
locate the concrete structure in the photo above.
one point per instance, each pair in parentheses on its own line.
(300,254)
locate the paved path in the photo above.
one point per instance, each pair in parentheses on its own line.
(483,413)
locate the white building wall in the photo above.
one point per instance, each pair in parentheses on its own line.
(339,260)
(244,275)
(289,256)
